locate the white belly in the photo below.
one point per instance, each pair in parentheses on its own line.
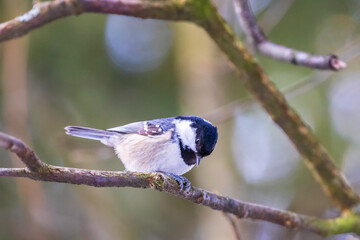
(150,154)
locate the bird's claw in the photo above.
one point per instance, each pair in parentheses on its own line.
(184,183)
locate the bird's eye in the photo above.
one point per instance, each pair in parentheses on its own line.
(197,141)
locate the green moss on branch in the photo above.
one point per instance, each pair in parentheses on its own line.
(272,100)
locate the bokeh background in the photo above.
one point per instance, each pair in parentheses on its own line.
(104,71)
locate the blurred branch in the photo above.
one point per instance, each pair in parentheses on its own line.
(227,111)
(37,170)
(273,14)
(203,13)
(233,221)
(223,113)
(279,52)
(15,119)
(239,106)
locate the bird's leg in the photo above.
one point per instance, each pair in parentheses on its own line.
(184,183)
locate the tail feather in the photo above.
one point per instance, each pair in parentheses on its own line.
(91,133)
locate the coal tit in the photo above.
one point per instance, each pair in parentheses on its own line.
(170,145)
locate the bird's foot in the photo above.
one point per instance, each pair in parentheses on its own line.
(184,183)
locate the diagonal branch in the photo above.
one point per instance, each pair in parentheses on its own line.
(26,155)
(272,100)
(167,184)
(203,13)
(279,52)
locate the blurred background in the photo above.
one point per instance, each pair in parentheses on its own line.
(104,71)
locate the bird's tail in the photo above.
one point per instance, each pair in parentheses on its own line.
(91,133)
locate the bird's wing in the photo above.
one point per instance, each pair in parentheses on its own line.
(146,128)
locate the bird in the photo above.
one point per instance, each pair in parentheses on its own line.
(172,146)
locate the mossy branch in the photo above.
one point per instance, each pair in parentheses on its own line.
(272,100)
(39,171)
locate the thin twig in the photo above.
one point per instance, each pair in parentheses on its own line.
(298,88)
(162,182)
(279,52)
(234,225)
(225,112)
(273,14)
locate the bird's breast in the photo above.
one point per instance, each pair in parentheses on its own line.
(149,154)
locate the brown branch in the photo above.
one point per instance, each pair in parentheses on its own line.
(26,155)
(162,182)
(252,75)
(40,14)
(279,52)
(45,12)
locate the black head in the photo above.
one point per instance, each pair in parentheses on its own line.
(206,135)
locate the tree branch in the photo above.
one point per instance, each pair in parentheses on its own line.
(28,157)
(233,221)
(271,99)
(45,12)
(162,182)
(279,52)
(203,13)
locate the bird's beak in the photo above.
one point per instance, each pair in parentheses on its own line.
(198,159)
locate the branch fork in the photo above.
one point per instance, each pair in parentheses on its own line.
(279,52)
(26,155)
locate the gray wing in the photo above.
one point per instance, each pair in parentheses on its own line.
(147,128)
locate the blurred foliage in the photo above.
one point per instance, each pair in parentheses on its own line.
(72,81)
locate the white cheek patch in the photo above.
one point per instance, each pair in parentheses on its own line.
(186,133)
